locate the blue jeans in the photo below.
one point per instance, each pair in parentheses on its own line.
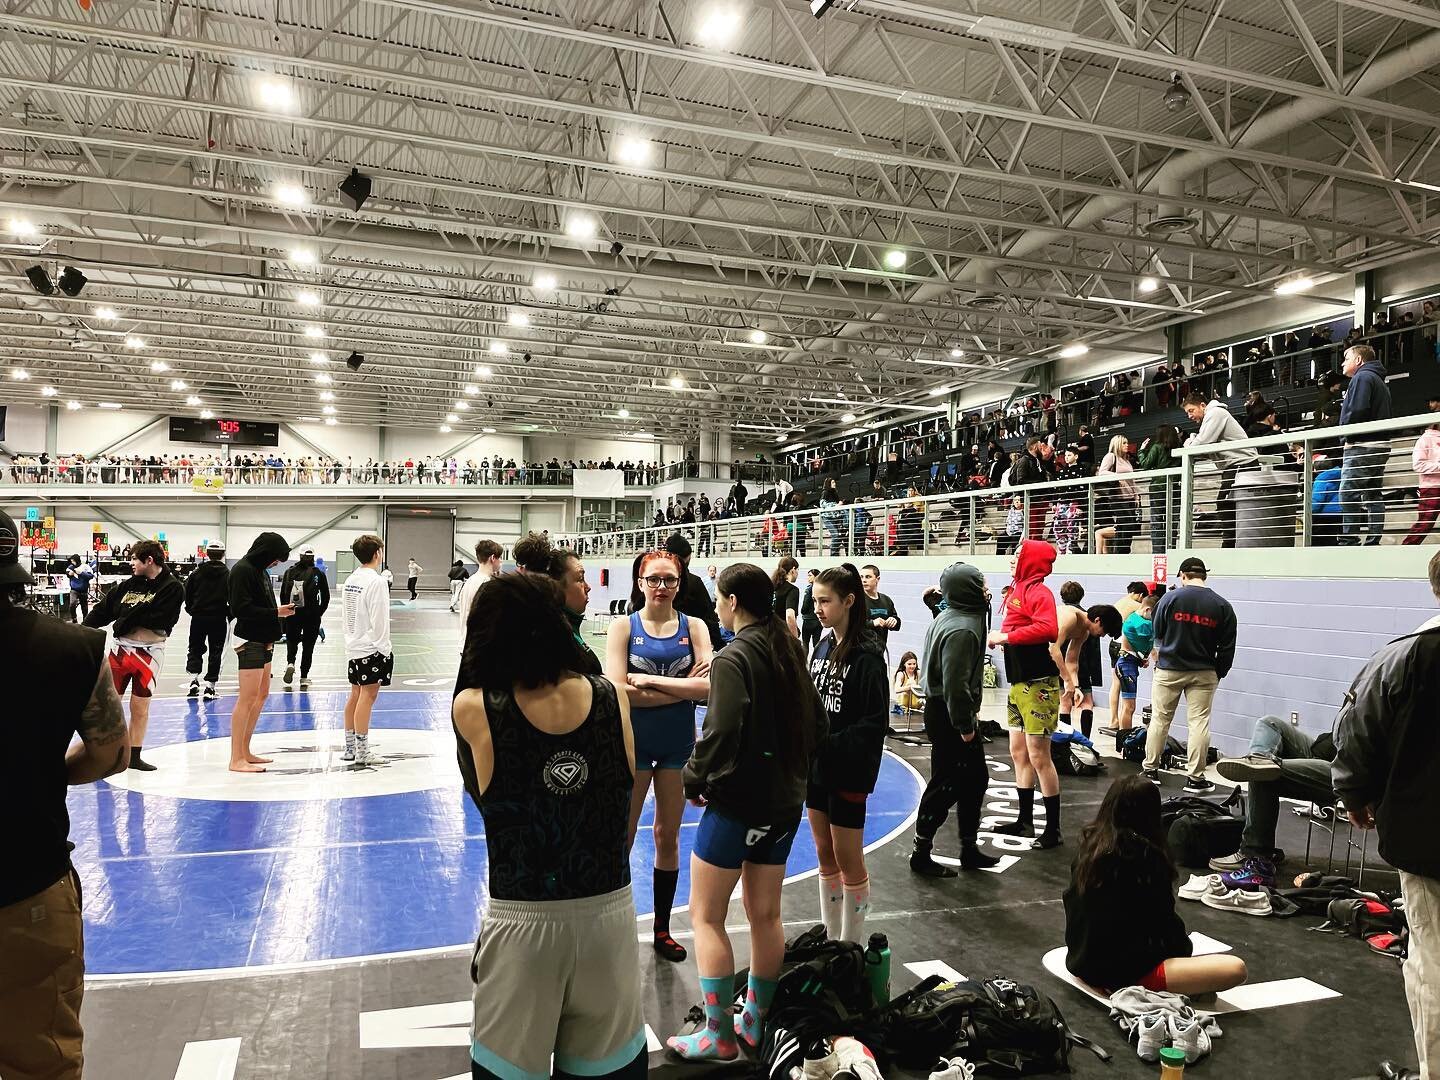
(1361,475)
(1302,776)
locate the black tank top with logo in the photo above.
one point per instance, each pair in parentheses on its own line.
(558,806)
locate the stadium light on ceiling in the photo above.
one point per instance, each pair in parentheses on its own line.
(471,389)
(758,337)
(306,298)
(23,227)
(330,421)
(192,400)
(634,151)
(275,94)
(484,372)
(518,318)
(445,429)
(313,331)
(940,391)
(178,384)
(133,342)
(581,227)
(106,314)
(1069,352)
(677,383)
(499,348)
(302,256)
(1148,284)
(956,354)
(292,195)
(1176,96)
(48,391)
(488,430)
(19,374)
(623,414)
(1293,285)
(451,418)
(544,282)
(159,366)
(323,379)
(895,259)
(206,414)
(848,418)
(328,410)
(719,25)
(319,358)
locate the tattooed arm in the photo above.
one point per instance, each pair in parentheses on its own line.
(104,748)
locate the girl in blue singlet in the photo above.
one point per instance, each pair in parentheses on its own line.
(665,670)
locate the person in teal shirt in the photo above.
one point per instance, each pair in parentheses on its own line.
(1137,641)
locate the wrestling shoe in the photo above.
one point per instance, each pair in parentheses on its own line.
(289,674)
(1249,767)
(1239,900)
(955,1068)
(1255,873)
(194,687)
(1198,785)
(1199,885)
(1152,1034)
(1187,1034)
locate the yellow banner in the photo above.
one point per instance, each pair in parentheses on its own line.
(208,485)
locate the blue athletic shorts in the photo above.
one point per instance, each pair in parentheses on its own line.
(727,842)
(1128,668)
(662,742)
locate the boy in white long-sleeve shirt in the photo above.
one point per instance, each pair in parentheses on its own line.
(367,644)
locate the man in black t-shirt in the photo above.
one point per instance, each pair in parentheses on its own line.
(693,598)
(58,683)
(884,615)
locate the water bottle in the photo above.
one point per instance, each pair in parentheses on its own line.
(1172,1064)
(877,968)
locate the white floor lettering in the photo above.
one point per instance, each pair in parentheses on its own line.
(923,969)
(420,1025)
(214,1059)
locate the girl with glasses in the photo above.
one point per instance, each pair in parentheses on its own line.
(664,668)
(849,672)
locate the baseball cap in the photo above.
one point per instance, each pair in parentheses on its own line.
(214,545)
(11,572)
(308,551)
(1194,567)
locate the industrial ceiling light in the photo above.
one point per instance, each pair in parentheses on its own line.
(20,374)
(499,348)
(355,189)
(23,227)
(48,391)
(133,342)
(302,256)
(445,429)
(581,227)
(40,280)
(106,314)
(71,281)
(544,283)
(451,418)
(292,195)
(471,389)
(275,94)
(326,395)
(484,372)
(353,362)
(758,337)
(305,298)
(956,354)
(159,366)
(192,400)
(206,414)
(624,414)
(1071,351)
(1148,284)
(518,318)
(895,258)
(719,25)
(677,383)
(109,405)
(313,331)
(633,150)
(178,385)
(330,421)
(848,418)
(1292,285)
(1176,96)
(940,391)
(328,410)
(322,378)
(488,430)
(73,406)
(462,406)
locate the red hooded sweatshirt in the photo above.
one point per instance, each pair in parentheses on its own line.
(1030,621)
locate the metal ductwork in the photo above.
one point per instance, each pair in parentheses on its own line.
(1171,218)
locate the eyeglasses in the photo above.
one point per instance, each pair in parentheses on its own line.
(655,581)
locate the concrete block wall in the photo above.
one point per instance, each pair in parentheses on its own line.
(1302,639)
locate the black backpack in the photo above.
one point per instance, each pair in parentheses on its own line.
(1009,1027)
(1075,759)
(1199,830)
(1132,748)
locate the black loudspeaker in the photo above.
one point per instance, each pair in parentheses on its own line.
(40,280)
(355,189)
(71,281)
(604,577)
(354,360)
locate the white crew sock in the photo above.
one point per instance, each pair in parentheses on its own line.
(857,906)
(832,902)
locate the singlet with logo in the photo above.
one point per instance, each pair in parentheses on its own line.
(672,657)
(558,806)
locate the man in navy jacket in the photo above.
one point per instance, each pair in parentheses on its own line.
(1363,469)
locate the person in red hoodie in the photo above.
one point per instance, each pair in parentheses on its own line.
(1027,631)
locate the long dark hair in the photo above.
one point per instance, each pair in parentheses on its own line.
(1167,436)
(782,572)
(1127,825)
(844,580)
(754,593)
(517,635)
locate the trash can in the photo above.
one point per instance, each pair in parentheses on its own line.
(1266,502)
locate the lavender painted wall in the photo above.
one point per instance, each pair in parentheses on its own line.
(1301,641)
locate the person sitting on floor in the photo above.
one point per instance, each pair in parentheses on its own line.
(1121,927)
(1282,762)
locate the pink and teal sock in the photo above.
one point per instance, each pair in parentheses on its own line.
(758,995)
(716,1040)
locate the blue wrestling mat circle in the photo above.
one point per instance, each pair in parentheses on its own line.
(192,868)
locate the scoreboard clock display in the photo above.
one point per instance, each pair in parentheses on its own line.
(222,430)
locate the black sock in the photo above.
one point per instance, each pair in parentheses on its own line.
(1052,813)
(1087,720)
(1027,806)
(136,763)
(1065,719)
(665,882)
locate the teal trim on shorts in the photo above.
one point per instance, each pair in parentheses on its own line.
(606,1065)
(488,1059)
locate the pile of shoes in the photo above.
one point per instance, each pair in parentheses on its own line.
(844,1058)
(1243,891)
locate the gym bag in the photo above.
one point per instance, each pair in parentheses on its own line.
(1074,755)
(1199,830)
(1009,1027)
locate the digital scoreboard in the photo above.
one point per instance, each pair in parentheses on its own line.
(221,430)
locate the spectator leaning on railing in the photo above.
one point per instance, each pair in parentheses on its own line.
(1218,426)
(1363,468)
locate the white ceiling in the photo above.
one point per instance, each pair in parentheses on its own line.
(1016,163)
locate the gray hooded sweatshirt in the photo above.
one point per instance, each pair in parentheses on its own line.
(954,664)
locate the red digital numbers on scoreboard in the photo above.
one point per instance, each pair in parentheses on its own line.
(228,427)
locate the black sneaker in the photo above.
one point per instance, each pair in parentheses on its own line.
(1153,775)
(194,688)
(1200,786)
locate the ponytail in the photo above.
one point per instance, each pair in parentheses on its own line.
(844,580)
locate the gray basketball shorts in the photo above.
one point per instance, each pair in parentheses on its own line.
(559,976)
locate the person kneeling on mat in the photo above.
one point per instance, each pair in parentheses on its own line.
(953,684)
(1121,927)
(749,772)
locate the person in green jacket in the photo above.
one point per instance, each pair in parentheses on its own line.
(1155,453)
(952,679)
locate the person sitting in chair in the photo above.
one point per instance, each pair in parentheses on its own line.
(905,686)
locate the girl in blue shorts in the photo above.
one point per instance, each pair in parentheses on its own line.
(749,772)
(665,670)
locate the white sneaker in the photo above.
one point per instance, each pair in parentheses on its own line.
(1187,1034)
(289,674)
(1152,1034)
(1239,900)
(955,1068)
(1226,863)
(1199,885)
(211,693)
(848,1059)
